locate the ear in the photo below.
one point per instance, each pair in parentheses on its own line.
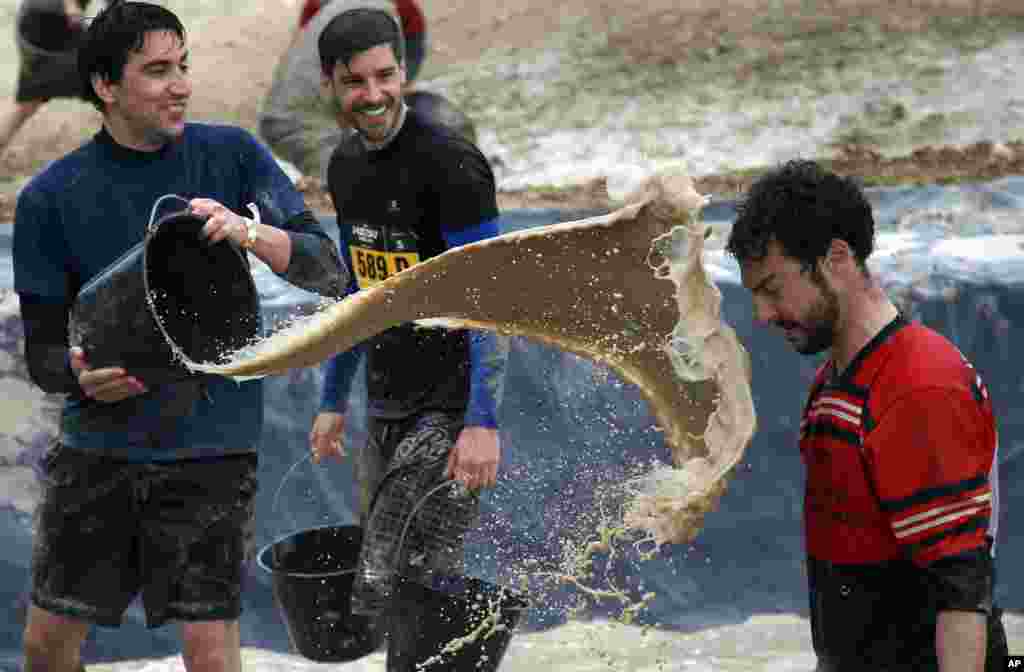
(326,88)
(103,88)
(838,258)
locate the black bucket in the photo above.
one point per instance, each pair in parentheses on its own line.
(311,574)
(457,624)
(171,295)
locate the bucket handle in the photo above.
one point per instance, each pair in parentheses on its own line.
(412,515)
(280,487)
(156,207)
(408,521)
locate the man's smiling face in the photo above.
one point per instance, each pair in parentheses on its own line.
(368,90)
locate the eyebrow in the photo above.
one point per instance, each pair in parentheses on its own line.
(761,285)
(386,70)
(165,61)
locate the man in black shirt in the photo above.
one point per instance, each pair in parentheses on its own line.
(405,190)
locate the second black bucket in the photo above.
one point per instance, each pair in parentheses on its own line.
(171,295)
(311,574)
(457,624)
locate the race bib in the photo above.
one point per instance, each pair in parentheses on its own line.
(372,266)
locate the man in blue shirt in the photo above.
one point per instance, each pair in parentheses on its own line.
(406,189)
(149,489)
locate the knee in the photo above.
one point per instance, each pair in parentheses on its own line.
(51,642)
(211,646)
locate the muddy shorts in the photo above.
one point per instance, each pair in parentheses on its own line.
(176,532)
(407,529)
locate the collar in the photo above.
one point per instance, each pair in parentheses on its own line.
(121,152)
(372,146)
(835,376)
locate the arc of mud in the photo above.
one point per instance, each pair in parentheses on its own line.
(627,290)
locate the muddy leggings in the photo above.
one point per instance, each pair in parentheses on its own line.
(401,463)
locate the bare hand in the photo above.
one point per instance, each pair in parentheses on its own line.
(325,437)
(108,384)
(474,459)
(222,223)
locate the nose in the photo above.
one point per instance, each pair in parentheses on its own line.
(181,84)
(764,313)
(374,91)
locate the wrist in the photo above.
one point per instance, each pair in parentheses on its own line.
(252,235)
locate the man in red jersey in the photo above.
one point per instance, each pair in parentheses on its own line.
(898,438)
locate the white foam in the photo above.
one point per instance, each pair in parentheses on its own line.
(982,249)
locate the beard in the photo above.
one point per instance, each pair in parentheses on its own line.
(819,326)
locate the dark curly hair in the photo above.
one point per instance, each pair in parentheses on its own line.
(803,207)
(115,32)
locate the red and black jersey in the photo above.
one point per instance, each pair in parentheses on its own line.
(900,452)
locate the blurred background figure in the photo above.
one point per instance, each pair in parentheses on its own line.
(294,121)
(414,28)
(47,33)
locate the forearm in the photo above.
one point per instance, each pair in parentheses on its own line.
(304,259)
(338,373)
(46,349)
(488,358)
(960,641)
(273,246)
(962,587)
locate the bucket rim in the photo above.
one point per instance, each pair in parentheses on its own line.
(300,575)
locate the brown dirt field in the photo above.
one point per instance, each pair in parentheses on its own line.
(233,58)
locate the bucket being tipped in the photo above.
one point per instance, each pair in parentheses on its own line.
(170,297)
(311,576)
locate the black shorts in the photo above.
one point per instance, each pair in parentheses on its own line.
(176,532)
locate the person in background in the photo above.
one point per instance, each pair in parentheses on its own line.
(898,438)
(405,190)
(47,33)
(149,490)
(292,119)
(414,29)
